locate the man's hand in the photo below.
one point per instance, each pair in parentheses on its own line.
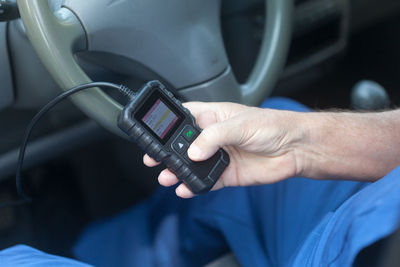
(262,144)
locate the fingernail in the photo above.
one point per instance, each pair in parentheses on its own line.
(194,152)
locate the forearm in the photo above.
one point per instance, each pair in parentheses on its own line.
(357,146)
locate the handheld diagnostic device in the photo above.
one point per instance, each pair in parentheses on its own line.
(164,129)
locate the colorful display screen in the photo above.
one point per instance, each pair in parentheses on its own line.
(160,119)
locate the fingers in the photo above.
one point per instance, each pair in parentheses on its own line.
(208,113)
(206,119)
(219,130)
(167,178)
(149,162)
(203,114)
(196,108)
(214,137)
(183,191)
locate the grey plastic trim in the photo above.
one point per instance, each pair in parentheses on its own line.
(52,146)
(179,40)
(222,88)
(33,86)
(6,85)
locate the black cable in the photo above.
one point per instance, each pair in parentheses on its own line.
(24,197)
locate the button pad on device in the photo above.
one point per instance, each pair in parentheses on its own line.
(180,145)
(186,137)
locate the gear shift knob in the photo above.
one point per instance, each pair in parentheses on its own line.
(369,95)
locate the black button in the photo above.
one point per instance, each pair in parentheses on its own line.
(180,145)
(189,133)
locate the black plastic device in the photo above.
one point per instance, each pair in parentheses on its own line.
(164,129)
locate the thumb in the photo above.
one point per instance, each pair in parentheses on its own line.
(214,137)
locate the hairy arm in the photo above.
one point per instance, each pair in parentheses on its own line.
(357,146)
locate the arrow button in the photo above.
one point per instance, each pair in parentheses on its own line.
(180,145)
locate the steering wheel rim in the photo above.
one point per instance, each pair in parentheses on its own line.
(56,36)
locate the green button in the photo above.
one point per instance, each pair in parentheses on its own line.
(189,134)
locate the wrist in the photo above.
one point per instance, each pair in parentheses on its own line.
(309,151)
(302,150)
(295,143)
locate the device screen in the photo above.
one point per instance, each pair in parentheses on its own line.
(159,117)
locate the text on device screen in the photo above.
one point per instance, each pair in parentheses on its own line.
(160,119)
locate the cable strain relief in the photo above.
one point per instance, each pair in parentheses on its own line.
(127,92)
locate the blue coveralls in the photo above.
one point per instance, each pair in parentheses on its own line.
(297,222)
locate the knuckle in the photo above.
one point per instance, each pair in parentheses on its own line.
(211,133)
(207,137)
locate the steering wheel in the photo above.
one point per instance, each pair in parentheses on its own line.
(180,40)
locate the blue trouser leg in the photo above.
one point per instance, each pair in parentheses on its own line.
(24,256)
